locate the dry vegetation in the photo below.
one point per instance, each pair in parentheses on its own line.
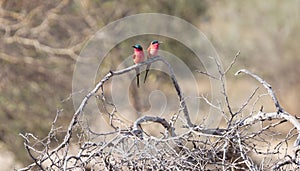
(128,147)
(40,42)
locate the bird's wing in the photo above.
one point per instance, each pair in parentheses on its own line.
(148,50)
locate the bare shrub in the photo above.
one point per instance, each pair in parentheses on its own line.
(247,142)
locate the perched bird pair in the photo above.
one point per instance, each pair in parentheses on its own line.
(138,57)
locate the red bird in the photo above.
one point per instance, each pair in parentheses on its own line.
(152,52)
(138,57)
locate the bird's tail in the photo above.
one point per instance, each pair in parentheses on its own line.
(137,77)
(147,70)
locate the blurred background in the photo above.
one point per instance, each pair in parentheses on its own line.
(41,40)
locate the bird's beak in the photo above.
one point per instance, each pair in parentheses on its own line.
(133,46)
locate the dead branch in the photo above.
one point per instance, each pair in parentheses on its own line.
(265,84)
(234,147)
(74,121)
(280,114)
(163,122)
(36,44)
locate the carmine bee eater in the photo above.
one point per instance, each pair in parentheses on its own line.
(138,57)
(152,52)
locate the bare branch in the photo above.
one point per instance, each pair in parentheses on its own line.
(232,62)
(36,44)
(274,115)
(266,85)
(163,122)
(207,74)
(280,114)
(246,103)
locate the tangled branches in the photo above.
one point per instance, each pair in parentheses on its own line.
(245,143)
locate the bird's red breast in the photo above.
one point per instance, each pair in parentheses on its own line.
(153,50)
(138,56)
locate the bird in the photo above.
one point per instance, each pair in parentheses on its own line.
(152,52)
(138,57)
